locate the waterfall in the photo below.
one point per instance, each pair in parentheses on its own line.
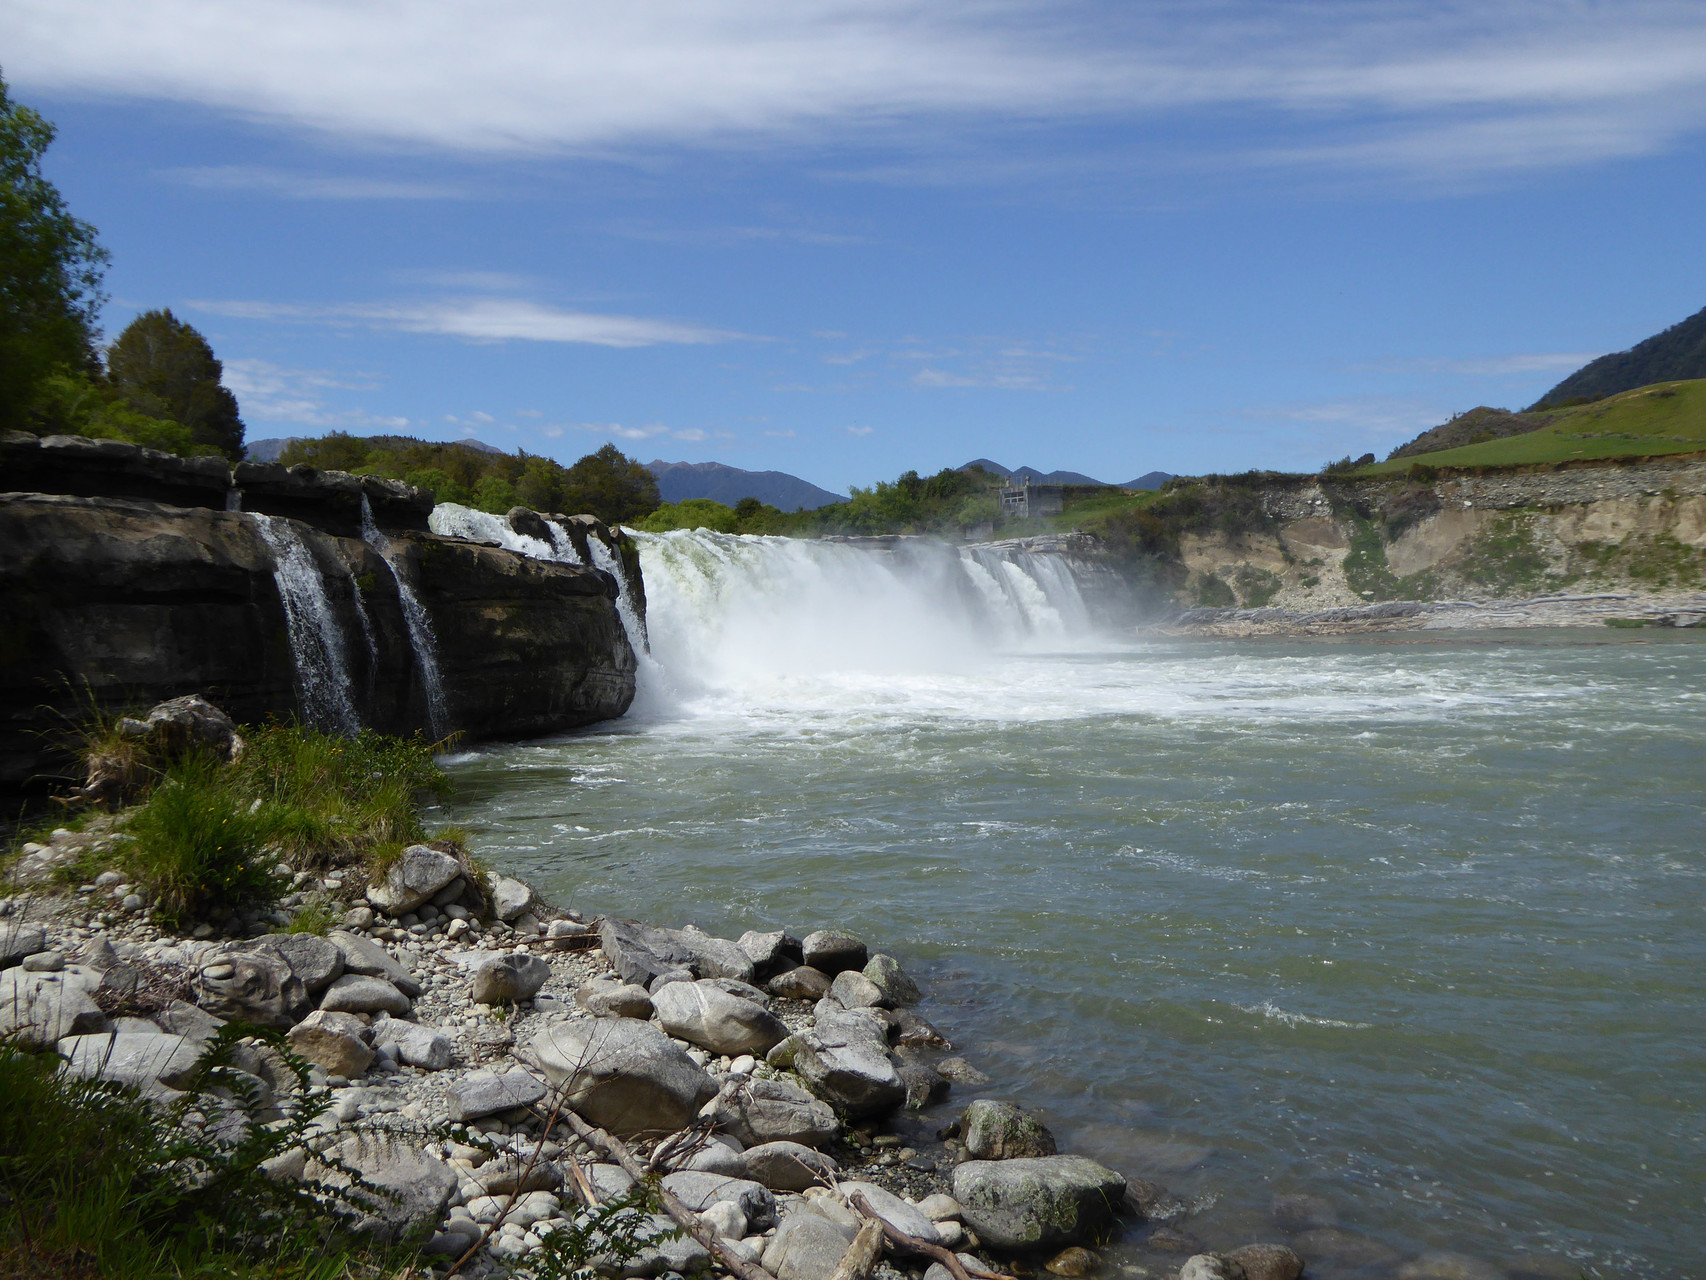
(751,616)
(316,641)
(453,521)
(415,618)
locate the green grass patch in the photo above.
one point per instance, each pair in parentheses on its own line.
(1668,417)
(198,843)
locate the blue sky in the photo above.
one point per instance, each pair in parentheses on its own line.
(846,239)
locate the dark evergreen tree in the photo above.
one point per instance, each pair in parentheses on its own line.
(165,369)
(610,485)
(50,270)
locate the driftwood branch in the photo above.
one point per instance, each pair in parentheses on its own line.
(895,1236)
(618,1150)
(861,1256)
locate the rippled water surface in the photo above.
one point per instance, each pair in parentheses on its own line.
(1414,925)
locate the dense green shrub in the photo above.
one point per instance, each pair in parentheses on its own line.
(94,1183)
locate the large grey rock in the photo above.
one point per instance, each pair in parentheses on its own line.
(745,990)
(339,1043)
(789,1166)
(41,1009)
(1449,1266)
(413,879)
(1267,1262)
(711,1018)
(924,1084)
(145,1062)
(511,1174)
(893,1210)
(1034,1203)
(1209,1266)
(317,961)
(18,940)
(414,1188)
(485,1093)
(371,960)
(356,993)
(510,898)
(762,1111)
(832,950)
(413,1044)
(885,972)
(181,1018)
(844,1060)
(699,1191)
(192,723)
(771,952)
(717,1157)
(716,957)
(800,983)
(639,953)
(624,1075)
(261,988)
(855,991)
(807,1246)
(614,1000)
(510,979)
(1000,1131)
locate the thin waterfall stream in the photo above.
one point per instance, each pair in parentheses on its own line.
(317,646)
(415,618)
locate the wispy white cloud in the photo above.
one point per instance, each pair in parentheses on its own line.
(481,320)
(998,381)
(651,431)
(1419,86)
(784,434)
(1492,366)
(1333,427)
(860,431)
(308,186)
(272,393)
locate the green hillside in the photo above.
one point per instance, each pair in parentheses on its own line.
(1668,417)
(1677,354)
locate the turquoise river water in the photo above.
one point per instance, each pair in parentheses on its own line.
(1413,924)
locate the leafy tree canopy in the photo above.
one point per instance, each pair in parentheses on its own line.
(50,269)
(608,484)
(164,368)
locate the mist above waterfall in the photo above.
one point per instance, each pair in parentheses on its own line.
(741,625)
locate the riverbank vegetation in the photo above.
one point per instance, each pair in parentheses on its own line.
(199,835)
(95,1182)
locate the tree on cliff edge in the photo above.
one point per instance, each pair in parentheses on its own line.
(164,368)
(50,269)
(610,485)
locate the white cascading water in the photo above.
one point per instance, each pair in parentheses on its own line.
(415,618)
(745,622)
(316,640)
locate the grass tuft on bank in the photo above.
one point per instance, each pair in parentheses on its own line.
(202,837)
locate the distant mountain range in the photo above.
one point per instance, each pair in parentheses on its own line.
(1153,480)
(1676,355)
(678,481)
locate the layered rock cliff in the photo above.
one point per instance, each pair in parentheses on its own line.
(126,581)
(1636,531)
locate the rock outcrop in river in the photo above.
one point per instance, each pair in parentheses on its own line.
(127,581)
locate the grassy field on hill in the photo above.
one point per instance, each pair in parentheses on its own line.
(1667,417)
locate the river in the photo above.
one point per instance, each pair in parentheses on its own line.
(1410,924)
